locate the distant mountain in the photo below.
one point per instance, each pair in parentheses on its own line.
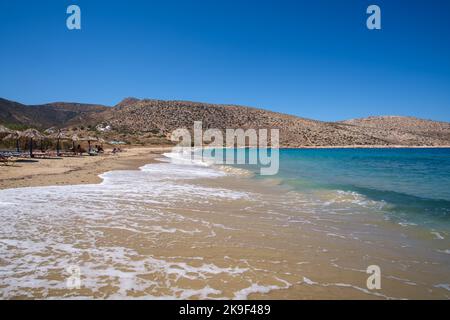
(166,116)
(405,130)
(135,120)
(58,114)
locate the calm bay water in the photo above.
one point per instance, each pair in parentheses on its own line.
(414,183)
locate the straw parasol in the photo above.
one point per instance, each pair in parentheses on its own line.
(14,135)
(74,138)
(89,139)
(60,135)
(4,130)
(51,130)
(32,134)
(101,141)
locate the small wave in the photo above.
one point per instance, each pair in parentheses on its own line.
(445,286)
(308,281)
(345,285)
(353,198)
(407,224)
(235,171)
(437,235)
(190,158)
(187,158)
(398,203)
(257,288)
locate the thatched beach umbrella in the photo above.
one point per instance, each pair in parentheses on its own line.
(74,138)
(89,139)
(14,135)
(101,141)
(32,134)
(60,135)
(51,130)
(4,130)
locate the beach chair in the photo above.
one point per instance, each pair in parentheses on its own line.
(4,159)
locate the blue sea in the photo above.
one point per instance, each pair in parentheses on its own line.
(414,183)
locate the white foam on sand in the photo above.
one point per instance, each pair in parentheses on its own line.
(193,158)
(43,230)
(188,157)
(256,288)
(437,235)
(353,198)
(445,286)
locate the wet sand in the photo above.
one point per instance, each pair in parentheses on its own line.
(74,170)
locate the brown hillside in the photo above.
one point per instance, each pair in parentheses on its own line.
(148,121)
(406,130)
(45,116)
(138,116)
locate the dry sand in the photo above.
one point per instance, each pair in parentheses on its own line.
(74,170)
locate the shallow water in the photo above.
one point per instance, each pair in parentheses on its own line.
(192,231)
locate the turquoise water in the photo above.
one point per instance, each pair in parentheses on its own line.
(414,183)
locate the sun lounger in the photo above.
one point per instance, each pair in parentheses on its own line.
(4,159)
(68,154)
(39,154)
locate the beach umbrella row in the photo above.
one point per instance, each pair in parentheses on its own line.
(33,134)
(29,134)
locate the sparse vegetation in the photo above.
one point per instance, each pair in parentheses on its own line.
(151,121)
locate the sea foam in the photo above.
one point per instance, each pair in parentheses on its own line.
(45,229)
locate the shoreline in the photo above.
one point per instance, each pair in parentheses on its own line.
(367,147)
(74,170)
(87,170)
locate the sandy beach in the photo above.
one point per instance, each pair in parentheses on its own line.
(74,170)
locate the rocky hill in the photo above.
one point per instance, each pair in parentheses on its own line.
(58,114)
(137,116)
(163,117)
(135,120)
(403,130)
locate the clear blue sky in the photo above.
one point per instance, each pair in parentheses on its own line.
(314,59)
